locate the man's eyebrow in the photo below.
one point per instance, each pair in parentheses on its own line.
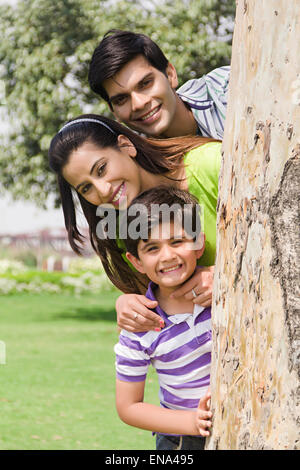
(118,95)
(148,75)
(139,83)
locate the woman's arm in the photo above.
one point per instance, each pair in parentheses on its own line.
(133,313)
(202,283)
(133,411)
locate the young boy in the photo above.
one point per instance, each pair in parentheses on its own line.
(181,351)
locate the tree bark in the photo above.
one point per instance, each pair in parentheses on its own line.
(256,330)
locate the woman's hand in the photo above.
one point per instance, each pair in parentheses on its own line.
(199,287)
(133,313)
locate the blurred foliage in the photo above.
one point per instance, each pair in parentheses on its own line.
(16,277)
(29,258)
(45,51)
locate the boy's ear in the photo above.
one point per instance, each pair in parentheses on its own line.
(172,75)
(135,262)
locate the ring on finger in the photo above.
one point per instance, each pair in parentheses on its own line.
(194,293)
(135,316)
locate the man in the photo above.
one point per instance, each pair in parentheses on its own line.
(132,74)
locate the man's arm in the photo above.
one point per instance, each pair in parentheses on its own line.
(133,411)
(207,98)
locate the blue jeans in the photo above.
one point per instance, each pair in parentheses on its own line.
(164,442)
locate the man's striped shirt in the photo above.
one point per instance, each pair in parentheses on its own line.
(180,353)
(207,98)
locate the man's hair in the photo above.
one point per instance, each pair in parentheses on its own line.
(158,205)
(115,50)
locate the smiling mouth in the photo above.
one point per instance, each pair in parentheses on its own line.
(118,194)
(150,114)
(171,268)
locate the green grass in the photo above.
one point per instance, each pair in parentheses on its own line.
(57,386)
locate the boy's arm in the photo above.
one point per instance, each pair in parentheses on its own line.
(204,415)
(133,411)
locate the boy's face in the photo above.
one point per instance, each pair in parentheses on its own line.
(142,97)
(168,257)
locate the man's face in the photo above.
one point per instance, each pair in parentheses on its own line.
(142,97)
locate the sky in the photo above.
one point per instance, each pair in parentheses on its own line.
(23,217)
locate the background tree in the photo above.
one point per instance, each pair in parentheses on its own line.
(256,327)
(45,50)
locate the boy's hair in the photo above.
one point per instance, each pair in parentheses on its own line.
(158,205)
(115,50)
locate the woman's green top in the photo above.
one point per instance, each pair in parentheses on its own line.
(202,174)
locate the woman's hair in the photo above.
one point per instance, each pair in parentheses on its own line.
(157,156)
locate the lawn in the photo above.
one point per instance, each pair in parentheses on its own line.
(57,385)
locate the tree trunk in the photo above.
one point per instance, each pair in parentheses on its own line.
(256,331)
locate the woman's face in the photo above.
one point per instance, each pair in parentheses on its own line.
(105,175)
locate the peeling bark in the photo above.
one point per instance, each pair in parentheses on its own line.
(285,225)
(256,312)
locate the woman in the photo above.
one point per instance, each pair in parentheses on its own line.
(107,163)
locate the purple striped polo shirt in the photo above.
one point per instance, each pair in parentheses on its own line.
(180,353)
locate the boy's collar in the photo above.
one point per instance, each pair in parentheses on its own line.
(181,317)
(150,295)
